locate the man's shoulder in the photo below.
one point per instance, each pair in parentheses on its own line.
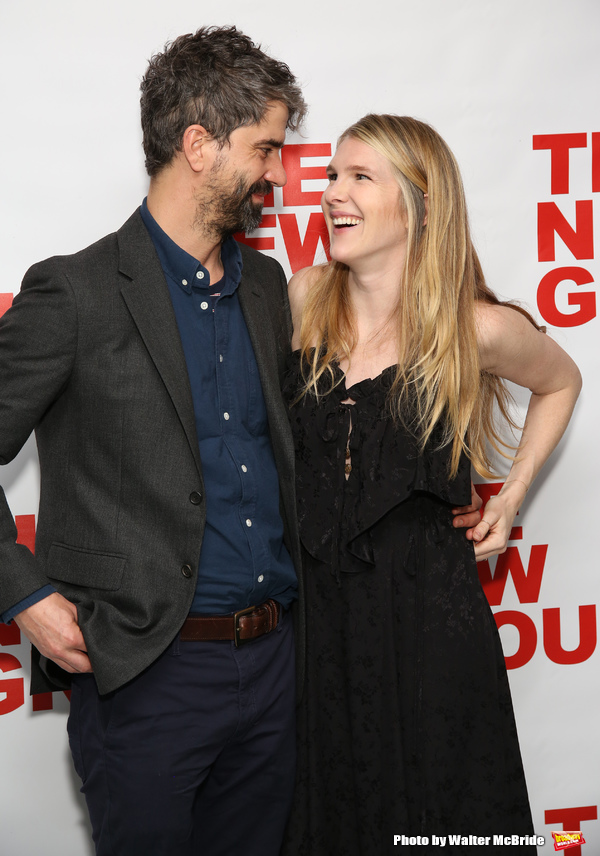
(253,260)
(100,254)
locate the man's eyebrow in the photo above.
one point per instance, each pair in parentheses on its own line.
(274,144)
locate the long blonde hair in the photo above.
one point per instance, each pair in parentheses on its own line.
(438,383)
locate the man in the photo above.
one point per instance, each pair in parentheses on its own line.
(149,365)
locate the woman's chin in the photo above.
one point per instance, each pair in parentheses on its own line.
(337,254)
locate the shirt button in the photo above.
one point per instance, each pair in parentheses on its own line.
(195,497)
(184,281)
(200,274)
(244,468)
(220,358)
(187,571)
(248,522)
(226,416)
(204,305)
(261,578)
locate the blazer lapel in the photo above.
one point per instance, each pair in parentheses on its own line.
(147,298)
(251,297)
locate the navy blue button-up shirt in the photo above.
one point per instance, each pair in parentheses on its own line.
(243,559)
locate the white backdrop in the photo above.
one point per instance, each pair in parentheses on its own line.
(490,77)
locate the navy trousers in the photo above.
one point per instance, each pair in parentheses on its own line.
(194,756)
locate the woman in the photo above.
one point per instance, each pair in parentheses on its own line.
(406,724)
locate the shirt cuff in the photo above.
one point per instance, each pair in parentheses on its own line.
(38,595)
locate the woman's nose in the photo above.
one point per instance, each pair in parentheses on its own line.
(334,192)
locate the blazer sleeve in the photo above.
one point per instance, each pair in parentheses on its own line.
(38,341)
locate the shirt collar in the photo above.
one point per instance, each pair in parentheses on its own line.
(184,269)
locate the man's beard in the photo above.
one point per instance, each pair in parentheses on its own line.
(222,211)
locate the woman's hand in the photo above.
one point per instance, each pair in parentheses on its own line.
(468,515)
(491,535)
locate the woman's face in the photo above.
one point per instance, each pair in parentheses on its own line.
(364,209)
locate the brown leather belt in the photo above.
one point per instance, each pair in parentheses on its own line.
(241,627)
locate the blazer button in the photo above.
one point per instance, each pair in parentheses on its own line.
(187,571)
(195,497)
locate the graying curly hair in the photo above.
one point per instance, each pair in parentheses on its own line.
(217,78)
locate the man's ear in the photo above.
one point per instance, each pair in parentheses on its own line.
(194,143)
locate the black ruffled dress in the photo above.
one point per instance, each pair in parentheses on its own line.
(406,724)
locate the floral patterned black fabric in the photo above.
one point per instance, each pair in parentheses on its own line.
(406,724)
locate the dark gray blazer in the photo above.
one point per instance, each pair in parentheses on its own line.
(90,357)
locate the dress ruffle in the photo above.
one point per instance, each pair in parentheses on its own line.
(387,467)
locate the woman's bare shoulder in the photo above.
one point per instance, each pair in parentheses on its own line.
(502,332)
(299,286)
(301,282)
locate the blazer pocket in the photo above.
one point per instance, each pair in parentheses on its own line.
(85,567)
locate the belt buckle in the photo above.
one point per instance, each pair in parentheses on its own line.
(236,625)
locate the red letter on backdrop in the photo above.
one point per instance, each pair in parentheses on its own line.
(528,584)
(302,254)
(546,297)
(10,634)
(5,302)
(45,701)
(527,636)
(587,636)
(579,240)
(290,158)
(571,818)
(559,145)
(13,687)
(26,530)
(595,163)
(269,221)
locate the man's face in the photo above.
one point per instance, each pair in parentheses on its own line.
(242,174)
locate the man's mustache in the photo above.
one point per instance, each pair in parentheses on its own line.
(261,188)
